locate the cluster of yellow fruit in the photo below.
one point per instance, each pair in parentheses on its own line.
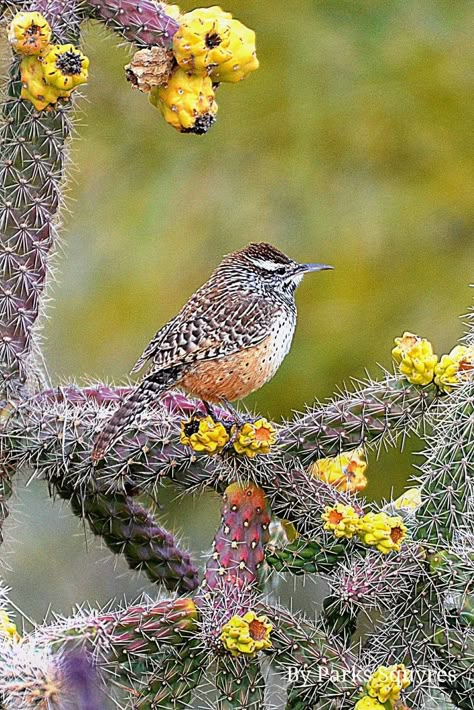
(420,365)
(346,472)
(205,435)
(384,532)
(48,71)
(246,634)
(384,686)
(210,47)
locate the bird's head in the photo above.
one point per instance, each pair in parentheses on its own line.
(269,268)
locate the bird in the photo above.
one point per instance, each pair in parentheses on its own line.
(227,341)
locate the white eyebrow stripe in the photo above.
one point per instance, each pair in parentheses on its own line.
(268,265)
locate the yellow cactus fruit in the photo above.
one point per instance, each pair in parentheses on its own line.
(8,629)
(409,500)
(29,33)
(387,682)
(65,67)
(246,634)
(210,41)
(203,434)
(187,102)
(367,703)
(415,358)
(452,369)
(255,438)
(202,38)
(342,520)
(382,531)
(243,57)
(345,472)
(34,86)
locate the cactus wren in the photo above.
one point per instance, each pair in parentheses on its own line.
(227,341)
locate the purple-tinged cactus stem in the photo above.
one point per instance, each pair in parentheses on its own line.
(143,631)
(32,161)
(375,412)
(129,529)
(143,22)
(64,17)
(32,158)
(104,395)
(140,630)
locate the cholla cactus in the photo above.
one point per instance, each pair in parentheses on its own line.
(291,492)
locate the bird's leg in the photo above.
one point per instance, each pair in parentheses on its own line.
(239,421)
(209,410)
(238,418)
(236,415)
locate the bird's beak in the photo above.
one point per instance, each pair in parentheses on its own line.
(304,268)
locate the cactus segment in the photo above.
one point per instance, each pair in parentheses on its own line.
(239,543)
(306,556)
(375,413)
(144,23)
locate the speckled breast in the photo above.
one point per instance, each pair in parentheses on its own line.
(235,376)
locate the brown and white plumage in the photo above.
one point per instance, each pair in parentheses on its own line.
(227,340)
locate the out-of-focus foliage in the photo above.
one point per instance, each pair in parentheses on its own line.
(352,145)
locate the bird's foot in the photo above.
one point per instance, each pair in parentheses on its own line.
(238,418)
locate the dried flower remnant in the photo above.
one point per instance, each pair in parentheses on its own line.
(150,67)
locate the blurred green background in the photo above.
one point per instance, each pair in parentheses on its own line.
(352,145)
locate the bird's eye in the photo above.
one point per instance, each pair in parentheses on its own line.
(280,272)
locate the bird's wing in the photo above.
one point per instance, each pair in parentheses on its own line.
(153,346)
(222,327)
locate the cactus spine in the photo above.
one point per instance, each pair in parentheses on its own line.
(145,23)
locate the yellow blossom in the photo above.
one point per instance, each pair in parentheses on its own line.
(210,42)
(410,500)
(65,67)
(403,345)
(203,434)
(382,531)
(346,472)
(8,628)
(387,682)
(368,703)
(254,438)
(246,634)
(415,358)
(29,33)
(187,102)
(455,367)
(341,519)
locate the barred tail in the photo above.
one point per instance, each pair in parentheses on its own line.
(147,391)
